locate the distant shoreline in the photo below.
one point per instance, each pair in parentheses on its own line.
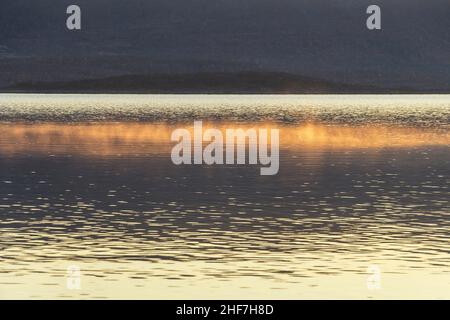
(208,83)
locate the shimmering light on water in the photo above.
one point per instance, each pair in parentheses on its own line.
(106,197)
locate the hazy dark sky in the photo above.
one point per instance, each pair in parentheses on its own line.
(318,38)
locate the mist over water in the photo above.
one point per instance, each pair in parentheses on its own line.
(88,181)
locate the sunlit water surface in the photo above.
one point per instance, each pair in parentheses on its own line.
(363,183)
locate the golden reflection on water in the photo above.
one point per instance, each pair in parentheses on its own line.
(140,227)
(104,139)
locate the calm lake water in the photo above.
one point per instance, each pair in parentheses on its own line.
(359,209)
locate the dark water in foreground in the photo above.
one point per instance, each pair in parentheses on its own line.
(106,198)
